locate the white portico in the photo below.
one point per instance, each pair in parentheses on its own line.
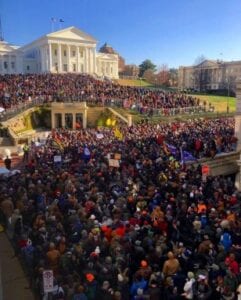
(11,59)
(67,50)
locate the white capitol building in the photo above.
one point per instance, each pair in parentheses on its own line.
(66,50)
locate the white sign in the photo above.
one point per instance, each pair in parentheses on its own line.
(48,281)
(57,158)
(99,136)
(114,163)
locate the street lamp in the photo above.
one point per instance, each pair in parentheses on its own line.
(228,82)
(140,80)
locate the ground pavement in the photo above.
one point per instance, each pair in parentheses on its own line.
(13,281)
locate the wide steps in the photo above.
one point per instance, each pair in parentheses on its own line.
(17,161)
(93,115)
(5,141)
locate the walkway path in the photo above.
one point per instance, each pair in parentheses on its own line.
(13,282)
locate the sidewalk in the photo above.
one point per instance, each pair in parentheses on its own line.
(13,282)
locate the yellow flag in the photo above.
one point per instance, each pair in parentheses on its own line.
(118,134)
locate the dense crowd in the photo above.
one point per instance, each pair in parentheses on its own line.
(16,89)
(149,227)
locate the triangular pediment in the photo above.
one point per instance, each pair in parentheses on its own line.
(207,63)
(71,33)
(5,47)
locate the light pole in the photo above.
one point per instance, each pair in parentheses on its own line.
(228,82)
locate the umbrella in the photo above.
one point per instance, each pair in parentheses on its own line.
(1,109)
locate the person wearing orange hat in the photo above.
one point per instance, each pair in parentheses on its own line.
(90,277)
(144,270)
(144,264)
(91,286)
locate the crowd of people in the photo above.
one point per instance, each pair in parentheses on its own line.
(17,89)
(121,217)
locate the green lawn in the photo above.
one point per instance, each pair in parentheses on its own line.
(134,82)
(219,102)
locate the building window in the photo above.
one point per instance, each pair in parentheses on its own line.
(65,53)
(65,67)
(55,52)
(81,53)
(73,53)
(82,68)
(111,70)
(28,68)
(13,65)
(56,67)
(5,65)
(74,67)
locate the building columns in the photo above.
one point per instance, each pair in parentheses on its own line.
(86,60)
(90,61)
(41,60)
(50,57)
(74,122)
(53,125)
(9,64)
(94,60)
(78,59)
(63,120)
(59,58)
(68,58)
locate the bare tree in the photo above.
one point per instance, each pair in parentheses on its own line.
(163,75)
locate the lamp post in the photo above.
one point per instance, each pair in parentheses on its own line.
(140,81)
(228,82)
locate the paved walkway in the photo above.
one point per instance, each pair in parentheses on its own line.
(13,282)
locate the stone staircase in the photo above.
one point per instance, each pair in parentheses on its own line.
(93,115)
(5,142)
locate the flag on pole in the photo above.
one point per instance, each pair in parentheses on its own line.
(86,153)
(58,144)
(53,20)
(172,149)
(61,20)
(186,156)
(118,134)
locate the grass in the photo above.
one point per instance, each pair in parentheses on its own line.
(134,82)
(219,102)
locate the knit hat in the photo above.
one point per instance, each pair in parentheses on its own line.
(90,277)
(144,264)
(190,275)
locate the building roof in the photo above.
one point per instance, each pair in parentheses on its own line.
(69,33)
(107,49)
(6,47)
(72,33)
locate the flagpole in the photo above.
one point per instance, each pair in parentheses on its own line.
(60,23)
(52,25)
(182,158)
